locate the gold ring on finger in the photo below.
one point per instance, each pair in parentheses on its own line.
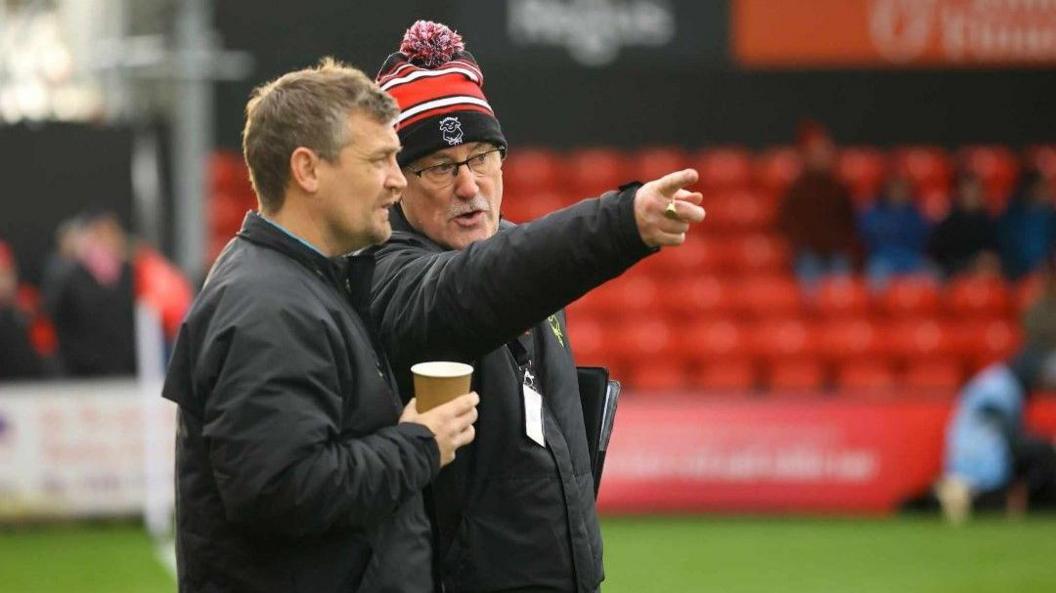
(670,211)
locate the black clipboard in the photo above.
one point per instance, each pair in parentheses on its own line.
(599,396)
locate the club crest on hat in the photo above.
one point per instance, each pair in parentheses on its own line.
(451,130)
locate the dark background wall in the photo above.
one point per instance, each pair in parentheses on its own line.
(686,92)
(53,172)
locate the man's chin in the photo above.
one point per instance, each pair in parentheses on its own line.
(460,238)
(381,233)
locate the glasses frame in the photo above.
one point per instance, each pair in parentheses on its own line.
(458,165)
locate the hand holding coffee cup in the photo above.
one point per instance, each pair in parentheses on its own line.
(443,405)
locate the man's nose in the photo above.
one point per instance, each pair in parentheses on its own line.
(397,180)
(465,183)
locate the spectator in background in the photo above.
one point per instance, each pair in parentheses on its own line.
(18,358)
(966,239)
(63,260)
(91,300)
(895,234)
(817,215)
(1025,229)
(991,458)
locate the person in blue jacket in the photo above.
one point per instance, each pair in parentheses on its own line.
(895,234)
(989,452)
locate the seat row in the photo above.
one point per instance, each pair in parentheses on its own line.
(930,168)
(974,341)
(683,296)
(926,377)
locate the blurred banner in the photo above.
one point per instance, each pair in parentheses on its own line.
(666,34)
(893,33)
(84,449)
(100,449)
(848,455)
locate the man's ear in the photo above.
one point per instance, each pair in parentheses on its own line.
(304,168)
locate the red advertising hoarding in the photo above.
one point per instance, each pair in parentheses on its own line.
(847,455)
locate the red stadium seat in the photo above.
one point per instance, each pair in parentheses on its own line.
(796,375)
(841,340)
(528,207)
(845,296)
(978,296)
(865,375)
(996,167)
(939,374)
(776,168)
(759,252)
(927,167)
(736,375)
(593,171)
(228,173)
(910,297)
(655,162)
(643,338)
(723,168)
(627,296)
(740,211)
(768,295)
(528,171)
(691,297)
(714,340)
(864,170)
(699,254)
(785,339)
(226,212)
(657,375)
(589,339)
(913,339)
(982,342)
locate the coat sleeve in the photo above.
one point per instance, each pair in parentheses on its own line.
(462,304)
(271,423)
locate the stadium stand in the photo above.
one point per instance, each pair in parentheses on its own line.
(723,313)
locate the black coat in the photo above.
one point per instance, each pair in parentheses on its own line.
(507,512)
(95,323)
(292,473)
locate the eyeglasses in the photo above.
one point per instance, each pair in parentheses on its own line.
(481,164)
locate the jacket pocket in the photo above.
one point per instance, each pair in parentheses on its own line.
(513,535)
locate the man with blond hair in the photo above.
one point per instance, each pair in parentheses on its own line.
(298,467)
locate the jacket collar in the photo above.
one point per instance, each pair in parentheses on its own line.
(353,273)
(402,229)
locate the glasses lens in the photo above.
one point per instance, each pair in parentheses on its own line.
(485,163)
(439,173)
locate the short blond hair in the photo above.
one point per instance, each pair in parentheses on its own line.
(308,108)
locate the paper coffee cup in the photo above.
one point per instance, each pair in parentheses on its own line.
(439,382)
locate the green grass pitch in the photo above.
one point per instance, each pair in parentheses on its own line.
(728,555)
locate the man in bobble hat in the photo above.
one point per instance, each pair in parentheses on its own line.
(515,510)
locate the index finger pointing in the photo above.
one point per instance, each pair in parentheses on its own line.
(672,182)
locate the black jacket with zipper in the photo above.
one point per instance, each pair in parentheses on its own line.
(508,513)
(292,472)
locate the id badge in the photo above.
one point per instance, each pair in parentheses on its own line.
(533,412)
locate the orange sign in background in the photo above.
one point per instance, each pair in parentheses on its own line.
(894,33)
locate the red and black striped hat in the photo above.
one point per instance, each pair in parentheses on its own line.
(440,90)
